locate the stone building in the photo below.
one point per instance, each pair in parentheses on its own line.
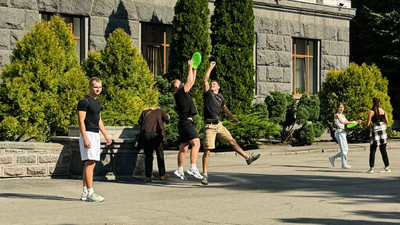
(297,41)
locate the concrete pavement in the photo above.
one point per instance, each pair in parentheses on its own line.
(287,185)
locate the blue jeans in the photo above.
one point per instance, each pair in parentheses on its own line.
(340,135)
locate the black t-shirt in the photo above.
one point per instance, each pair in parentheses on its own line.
(212,105)
(92,108)
(184,105)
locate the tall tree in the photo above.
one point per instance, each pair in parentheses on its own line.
(190,27)
(375,38)
(42,84)
(232,38)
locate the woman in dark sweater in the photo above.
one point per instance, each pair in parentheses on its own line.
(152,132)
(378,118)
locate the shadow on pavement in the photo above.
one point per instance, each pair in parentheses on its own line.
(333,221)
(33,196)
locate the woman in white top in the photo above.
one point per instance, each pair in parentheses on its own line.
(340,134)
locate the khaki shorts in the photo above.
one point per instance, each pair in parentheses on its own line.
(215,130)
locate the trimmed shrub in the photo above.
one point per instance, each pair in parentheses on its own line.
(42,85)
(355,86)
(190,28)
(128,84)
(298,119)
(232,38)
(253,125)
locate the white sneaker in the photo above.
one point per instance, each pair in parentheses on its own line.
(195,173)
(84,196)
(346,166)
(179,174)
(385,170)
(94,198)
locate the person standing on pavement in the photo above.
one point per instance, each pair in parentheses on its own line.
(90,124)
(213,128)
(188,135)
(152,135)
(340,134)
(378,118)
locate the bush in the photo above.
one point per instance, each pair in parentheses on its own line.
(128,84)
(298,119)
(42,85)
(253,125)
(232,39)
(355,86)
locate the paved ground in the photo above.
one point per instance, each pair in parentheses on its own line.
(286,185)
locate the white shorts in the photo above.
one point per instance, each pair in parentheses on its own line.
(92,153)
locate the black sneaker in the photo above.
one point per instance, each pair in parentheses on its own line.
(252,158)
(204,181)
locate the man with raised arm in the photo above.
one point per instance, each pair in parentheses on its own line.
(188,135)
(213,104)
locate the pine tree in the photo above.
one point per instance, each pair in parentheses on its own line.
(190,27)
(232,38)
(42,84)
(128,84)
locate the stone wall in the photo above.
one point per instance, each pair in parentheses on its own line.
(277,24)
(62,157)
(18,16)
(30,159)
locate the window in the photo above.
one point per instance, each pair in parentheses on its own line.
(306,75)
(78,26)
(155,39)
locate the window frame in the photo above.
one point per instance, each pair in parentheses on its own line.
(161,53)
(316,57)
(83,31)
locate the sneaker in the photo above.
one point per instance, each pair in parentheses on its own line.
(180,175)
(94,198)
(346,167)
(148,180)
(84,196)
(252,158)
(165,176)
(332,161)
(195,173)
(204,181)
(370,171)
(385,170)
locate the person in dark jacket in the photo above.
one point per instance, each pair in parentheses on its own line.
(152,132)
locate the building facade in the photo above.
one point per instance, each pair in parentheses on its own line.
(297,41)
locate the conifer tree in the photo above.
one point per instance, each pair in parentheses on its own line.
(190,26)
(42,84)
(232,38)
(128,84)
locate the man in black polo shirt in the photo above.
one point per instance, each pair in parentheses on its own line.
(188,135)
(213,103)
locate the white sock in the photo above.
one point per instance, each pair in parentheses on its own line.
(194,166)
(205,174)
(85,190)
(180,169)
(90,191)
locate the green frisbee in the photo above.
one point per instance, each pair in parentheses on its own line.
(196,58)
(351,125)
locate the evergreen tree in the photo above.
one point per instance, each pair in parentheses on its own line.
(375,38)
(42,84)
(232,38)
(190,27)
(128,84)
